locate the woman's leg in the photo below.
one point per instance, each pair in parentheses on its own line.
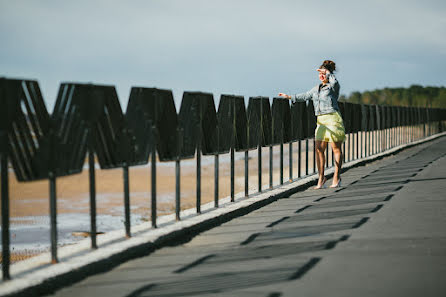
(320,161)
(336,146)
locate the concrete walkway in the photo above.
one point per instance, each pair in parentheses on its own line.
(381,234)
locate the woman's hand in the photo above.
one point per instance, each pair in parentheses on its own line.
(323,75)
(323,71)
(284,95)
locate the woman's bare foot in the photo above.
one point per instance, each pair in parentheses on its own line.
(320,184)
(336,183)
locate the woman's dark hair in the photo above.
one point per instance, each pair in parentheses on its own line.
(329,65)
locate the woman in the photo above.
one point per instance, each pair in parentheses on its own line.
(330,127)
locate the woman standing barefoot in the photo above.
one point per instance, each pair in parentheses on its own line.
(330,126)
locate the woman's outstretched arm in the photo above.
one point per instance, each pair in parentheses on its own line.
(299,97)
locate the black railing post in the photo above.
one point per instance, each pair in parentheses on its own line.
(177,189)
(299,159)
(326,159)
(153,179)
(353,146)
(348,147)
(5,213)
(362,144)
(178,174)
(369,143)
(259,165)
(314,155)
(281,163)
(306,156)
(365,144)
(216,177)
(232,175)
(91,165)
(198,206)
(125,172)
(270,166)
(290,164)
(246,174)
(53,217)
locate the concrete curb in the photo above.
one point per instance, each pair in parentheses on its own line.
(36,276)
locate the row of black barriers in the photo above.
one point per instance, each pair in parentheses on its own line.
(87,120)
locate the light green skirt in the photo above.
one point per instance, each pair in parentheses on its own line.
(330,128)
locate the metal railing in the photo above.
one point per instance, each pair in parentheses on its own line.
(88,121)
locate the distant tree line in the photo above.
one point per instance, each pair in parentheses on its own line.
(415,95)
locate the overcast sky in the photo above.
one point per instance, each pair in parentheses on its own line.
(248,48)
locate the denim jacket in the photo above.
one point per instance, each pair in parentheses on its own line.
(325,97)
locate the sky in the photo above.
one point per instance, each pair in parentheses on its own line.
(248,48)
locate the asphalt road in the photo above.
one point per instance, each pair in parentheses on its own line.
(381,234)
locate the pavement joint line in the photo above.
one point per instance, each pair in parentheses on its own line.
(79,261)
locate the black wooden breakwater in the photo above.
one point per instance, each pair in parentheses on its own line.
(87,120)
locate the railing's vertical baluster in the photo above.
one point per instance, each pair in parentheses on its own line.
(346,145)
(343,151)
(380,138)
(394,136)
(5,215)
(125,170)
(153,177)
(246,174)
(390,138)
(281,163)
(299,158)
(53,217)
(378,141)
(376,136)
(306,156)
(314,155)
(92,198)
(365,144)
(290,165)
(177,189)
(357,145)
(259,167)
(232,175)
(260,141)
(326,159)
(361,153)
(369,143)
(178,175)
(353,146)
(351,142)
(198,206)
(270,166)
(216,177)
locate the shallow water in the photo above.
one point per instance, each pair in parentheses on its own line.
(32,234)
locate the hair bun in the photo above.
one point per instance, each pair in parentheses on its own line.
(329,65)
